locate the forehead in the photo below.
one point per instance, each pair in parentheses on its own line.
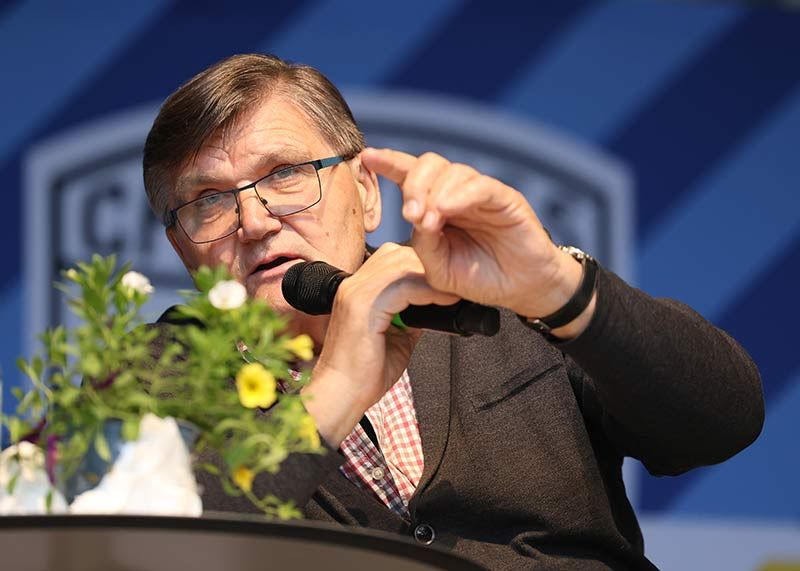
(274,132)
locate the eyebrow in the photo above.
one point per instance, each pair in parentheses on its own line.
(289,156)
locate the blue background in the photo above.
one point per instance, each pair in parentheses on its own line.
(700,100)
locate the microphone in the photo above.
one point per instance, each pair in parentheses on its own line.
(311,286)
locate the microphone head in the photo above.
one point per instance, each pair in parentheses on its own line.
(311,286)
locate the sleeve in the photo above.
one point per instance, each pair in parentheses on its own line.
(666,386)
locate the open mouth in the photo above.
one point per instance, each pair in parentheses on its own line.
(273,264)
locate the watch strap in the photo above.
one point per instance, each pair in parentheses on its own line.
(579,301)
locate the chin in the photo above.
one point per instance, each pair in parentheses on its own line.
(272,296)
(299,322)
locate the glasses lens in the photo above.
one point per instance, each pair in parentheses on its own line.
(210,217)
(290,190)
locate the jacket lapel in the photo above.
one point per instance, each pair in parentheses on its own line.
(429,373)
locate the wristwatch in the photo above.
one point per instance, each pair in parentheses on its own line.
(576,304)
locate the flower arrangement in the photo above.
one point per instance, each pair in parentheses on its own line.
(219,371)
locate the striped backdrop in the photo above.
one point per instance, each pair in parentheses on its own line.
(701,101)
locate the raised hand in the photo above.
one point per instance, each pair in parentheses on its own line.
(477,237)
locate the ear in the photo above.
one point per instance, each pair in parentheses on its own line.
(369,192)
(173,238)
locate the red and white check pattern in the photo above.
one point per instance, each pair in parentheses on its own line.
(393,471)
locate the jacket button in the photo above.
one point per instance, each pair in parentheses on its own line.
(424,534)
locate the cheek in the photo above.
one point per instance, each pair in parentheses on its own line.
(216,254)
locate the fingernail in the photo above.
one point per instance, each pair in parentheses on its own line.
(429,221)
(411,209)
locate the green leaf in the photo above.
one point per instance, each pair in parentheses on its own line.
(38,365)
(48,501)
(17,428)
(27,400)
(91,365)
(101,446)
(78,443)
(229,424)
(236,455)
(190,312)
(130,429)
(13,482)
(210,468)
(288,511)
(229,488)
(94,300)
(68,395)
(23,366)
(140,400)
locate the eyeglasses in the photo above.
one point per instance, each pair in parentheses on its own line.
(284,192)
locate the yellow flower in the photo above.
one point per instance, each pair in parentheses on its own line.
(243,477)
(302,346)
(308,431)
(256,386)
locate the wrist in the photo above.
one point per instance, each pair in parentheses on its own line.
(563,278)
(578,325)
(335,410)
(575,297)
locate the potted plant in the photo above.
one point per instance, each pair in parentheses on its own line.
(114,389)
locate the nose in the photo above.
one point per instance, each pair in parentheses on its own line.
(256,221)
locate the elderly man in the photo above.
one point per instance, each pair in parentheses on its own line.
(506,449)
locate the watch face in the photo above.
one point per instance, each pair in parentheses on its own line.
(576,253)
(536,324)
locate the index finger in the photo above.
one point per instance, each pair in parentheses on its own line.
(389,163)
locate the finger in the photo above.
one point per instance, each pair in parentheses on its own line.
(433,250)
(392,278)
(418,184)
(388,163)
(416,291)
(450,183)
(478,193)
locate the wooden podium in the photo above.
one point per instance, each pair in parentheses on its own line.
(213,542)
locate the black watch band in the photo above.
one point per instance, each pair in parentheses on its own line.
(579,301)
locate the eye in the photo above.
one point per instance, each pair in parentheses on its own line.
(284,173)
(210,200)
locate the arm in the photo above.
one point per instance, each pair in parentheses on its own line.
(671,389)
(668,387)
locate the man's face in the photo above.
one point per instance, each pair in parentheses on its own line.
(276,134)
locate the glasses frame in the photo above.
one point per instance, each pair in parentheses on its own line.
(172,219)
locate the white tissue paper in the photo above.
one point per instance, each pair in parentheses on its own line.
(152,476)
(29,496)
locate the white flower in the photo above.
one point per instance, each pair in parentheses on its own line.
(25,461)
(135,281)
(227,295)
(152,476)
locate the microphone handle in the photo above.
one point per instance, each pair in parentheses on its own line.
(463,318)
